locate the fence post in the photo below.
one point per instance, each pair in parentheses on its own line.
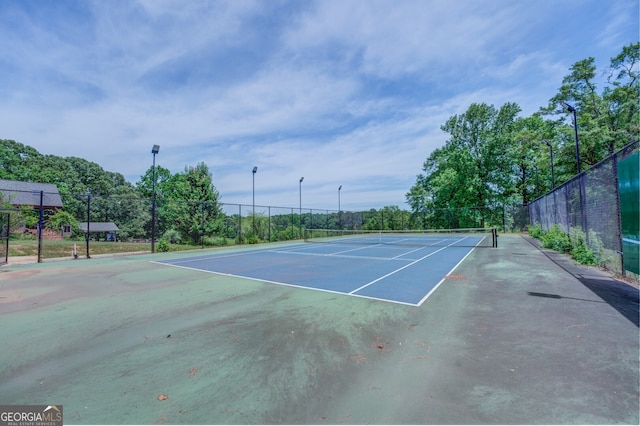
(240,223)
(86,237)
(619,213)
(202,212)
(583,205)
(40,228)
(269,230)
(4,236)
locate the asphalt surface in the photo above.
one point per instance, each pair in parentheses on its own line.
(515,335)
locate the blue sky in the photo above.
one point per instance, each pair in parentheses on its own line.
(343,92)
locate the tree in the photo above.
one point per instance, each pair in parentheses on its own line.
(606,121)
(189,204)
(468,172)
(622,97)
(60,218)
(525,161)
(17,161)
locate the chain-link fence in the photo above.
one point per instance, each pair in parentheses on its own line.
(508,218)
(5,225)
(589,204)
(81,225)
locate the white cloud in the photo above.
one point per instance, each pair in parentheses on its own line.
(343,93)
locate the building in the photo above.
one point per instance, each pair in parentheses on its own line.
(19,193)
(109,229)
(32,194)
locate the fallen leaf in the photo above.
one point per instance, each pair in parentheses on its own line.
(163,397)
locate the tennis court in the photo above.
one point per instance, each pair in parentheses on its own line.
(400,267)
(515,335)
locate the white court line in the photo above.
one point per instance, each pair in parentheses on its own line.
(220,256)
(355,249)
(404,267)
(203,258)
(340,256)
(409,252)
(352,293)
(442,280)
(342,293)
(339,253)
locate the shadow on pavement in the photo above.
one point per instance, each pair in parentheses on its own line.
(620,295)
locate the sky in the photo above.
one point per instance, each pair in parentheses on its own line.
(344,93)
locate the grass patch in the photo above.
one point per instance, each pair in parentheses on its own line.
(64,248)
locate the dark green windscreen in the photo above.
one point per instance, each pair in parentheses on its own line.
(628,183)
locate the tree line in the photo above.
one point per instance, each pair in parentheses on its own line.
(86,189)
(493,157)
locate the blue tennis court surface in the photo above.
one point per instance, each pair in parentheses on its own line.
(393,273)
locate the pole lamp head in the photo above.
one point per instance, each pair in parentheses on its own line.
(155,149)
(340,187)
(255,169)
(301,179)
(568,107)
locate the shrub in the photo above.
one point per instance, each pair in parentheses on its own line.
(583,253)
(574,243)
(252,239)
(172,236)
(536,231)
(215,241)
(163,245)
(556,239)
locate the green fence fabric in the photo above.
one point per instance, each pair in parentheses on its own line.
(629,188)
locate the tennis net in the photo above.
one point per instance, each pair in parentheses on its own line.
(469,237)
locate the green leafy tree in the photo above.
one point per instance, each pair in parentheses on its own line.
(525,161)
(469,171)
(162,186)
(190,204)
(61,218)
(17,160)
(607,120)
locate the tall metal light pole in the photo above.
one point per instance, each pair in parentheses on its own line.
(553,176)
(300,193)
(339,211)
(583,195)
(255,169)
(575,129)
(154,151)
(553,179)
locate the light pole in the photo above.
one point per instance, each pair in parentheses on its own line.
(575,129)
(339,212)
(553,176)
(300,193)
(582,193)
(154,151)
(255,169)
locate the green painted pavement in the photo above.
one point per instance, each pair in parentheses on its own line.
(514,335)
